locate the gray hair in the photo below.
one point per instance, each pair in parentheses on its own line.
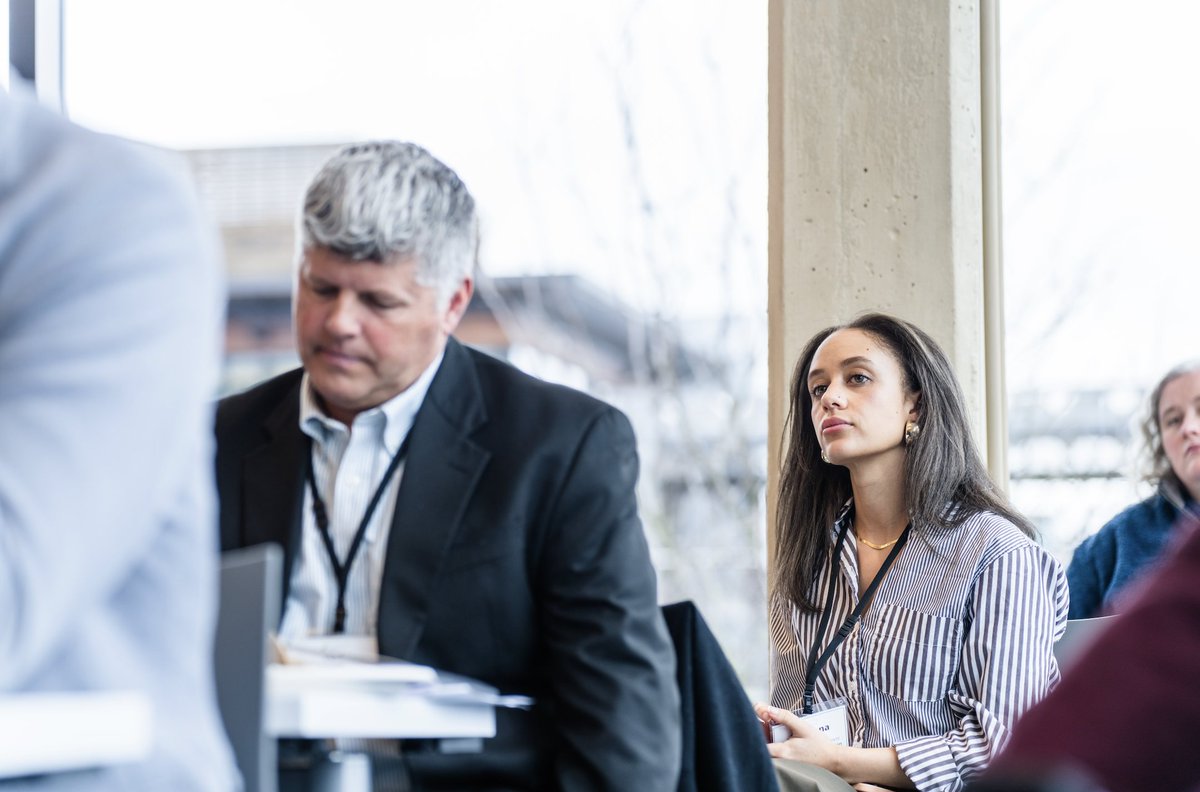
(388,201)
(1157,469)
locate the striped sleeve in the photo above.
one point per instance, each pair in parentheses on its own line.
(787,667)
(1019,609)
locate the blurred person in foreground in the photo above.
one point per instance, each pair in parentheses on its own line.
(912,609)
(1127,713)
(1107,561)
(448,507)
(110,314)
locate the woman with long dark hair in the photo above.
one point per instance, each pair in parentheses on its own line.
(913,615)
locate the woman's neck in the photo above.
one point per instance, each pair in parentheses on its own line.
(880,506)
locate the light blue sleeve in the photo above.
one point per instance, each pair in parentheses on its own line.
(110,316)
(110,296)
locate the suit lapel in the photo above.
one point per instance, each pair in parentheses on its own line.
(274,481)
(440,475)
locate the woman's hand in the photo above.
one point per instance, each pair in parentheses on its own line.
(855,765)
(806,743)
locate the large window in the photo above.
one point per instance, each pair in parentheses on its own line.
(1099,167)
(617,151)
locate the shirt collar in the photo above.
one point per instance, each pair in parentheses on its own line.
(396,414)
(842,515)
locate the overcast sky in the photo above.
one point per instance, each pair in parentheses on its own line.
(525,99)
(534,103)
(1100,167)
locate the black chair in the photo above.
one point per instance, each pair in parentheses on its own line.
(723,745)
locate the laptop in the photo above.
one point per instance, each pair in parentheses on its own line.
(251,581)
(1077,637)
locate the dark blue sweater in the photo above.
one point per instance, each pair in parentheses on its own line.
(1116,554)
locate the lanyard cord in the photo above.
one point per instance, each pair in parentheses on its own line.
(818,659)
(341,570)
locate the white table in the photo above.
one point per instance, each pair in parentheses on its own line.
(367,702)
(44,733)
(389,701)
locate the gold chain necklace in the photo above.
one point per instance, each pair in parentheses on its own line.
(874,546)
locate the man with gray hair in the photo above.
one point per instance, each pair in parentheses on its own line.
(463,514)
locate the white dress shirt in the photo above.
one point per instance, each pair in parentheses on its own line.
(348,464)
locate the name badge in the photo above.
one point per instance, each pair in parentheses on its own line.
(832,723)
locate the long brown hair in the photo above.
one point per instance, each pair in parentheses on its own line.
(944,480)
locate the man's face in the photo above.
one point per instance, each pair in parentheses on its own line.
(365,330)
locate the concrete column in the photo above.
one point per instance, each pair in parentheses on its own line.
(875,189)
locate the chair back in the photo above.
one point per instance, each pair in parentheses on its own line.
(724,749)
(251,581)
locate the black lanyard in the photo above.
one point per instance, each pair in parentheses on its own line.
(342,570)
(818,659)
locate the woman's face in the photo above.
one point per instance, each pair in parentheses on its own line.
(859,403)
(1179,424)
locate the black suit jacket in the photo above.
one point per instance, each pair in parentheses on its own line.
(515,556)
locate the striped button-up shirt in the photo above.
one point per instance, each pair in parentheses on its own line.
(348,466)
(956,644)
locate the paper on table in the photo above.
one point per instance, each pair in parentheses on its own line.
(341,658)
(344,661)
(326,648)
(452,689)
(351,673)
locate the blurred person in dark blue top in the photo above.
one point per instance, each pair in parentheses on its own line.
(1106,562)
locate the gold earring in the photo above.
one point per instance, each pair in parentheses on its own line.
(912,430)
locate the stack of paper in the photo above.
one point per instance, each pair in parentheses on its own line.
(339,688)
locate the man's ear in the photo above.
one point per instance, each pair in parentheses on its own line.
(457,306)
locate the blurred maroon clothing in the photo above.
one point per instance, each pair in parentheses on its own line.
(1128,713)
